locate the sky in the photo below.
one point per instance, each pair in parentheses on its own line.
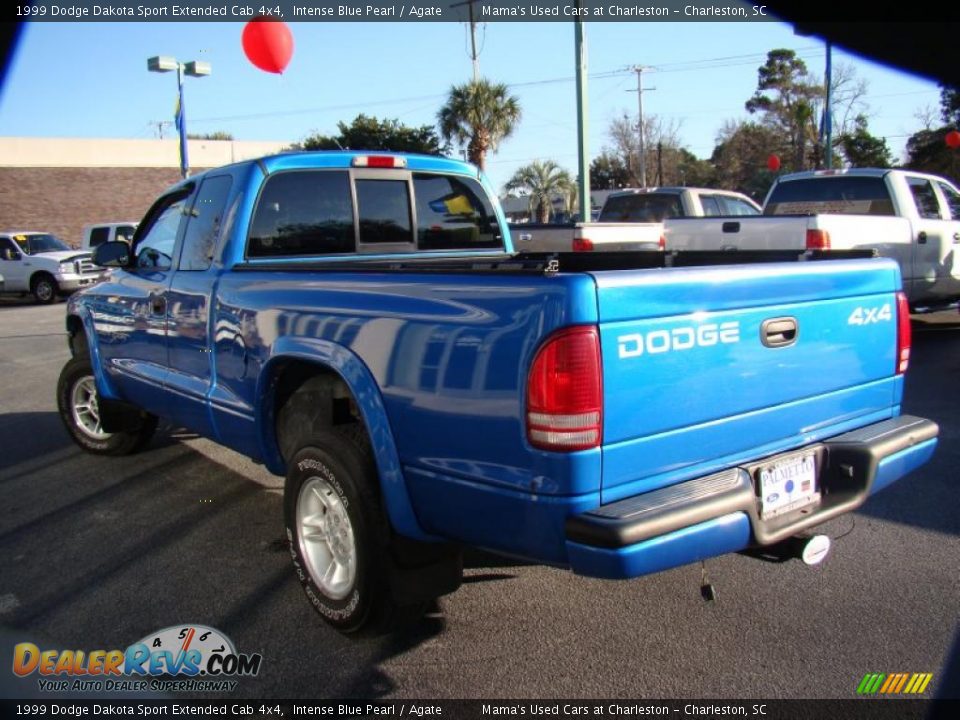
(91,80)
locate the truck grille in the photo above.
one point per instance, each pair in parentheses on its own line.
(85,266)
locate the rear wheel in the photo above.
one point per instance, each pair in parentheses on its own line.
(44,289)
(340,539)
(79,407)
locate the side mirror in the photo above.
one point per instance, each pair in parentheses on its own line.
(115,254)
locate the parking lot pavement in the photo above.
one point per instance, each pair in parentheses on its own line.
(96,553)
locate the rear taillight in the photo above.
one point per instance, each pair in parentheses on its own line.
(582,245)
(565,392)
(662,242)
(818,240)
(903,334)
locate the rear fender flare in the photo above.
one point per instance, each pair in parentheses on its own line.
(362,385)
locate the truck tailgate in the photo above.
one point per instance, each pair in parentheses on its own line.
(708,367)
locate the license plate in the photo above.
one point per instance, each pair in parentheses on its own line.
(788,485)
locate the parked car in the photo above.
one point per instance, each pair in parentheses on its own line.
(94,235)
(912,217)
(632,220)
(361,324)
(42,264)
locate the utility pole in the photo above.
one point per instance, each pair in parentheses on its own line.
(639,70)
(475,58)
(160,125)
(583,155)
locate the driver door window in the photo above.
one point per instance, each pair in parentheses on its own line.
(155,246)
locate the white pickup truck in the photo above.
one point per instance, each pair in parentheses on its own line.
(910,216)
(632,219)
(44,265)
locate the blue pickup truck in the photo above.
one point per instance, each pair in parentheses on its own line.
(360,324)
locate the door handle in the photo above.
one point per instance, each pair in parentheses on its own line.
(731,227)
(526,237)
(779,332)
(158,304)
(922,238)
(956,237)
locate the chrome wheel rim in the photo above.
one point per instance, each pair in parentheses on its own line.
(44,290)
(326,538)
(85,410)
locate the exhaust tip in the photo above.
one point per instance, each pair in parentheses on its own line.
(815,549)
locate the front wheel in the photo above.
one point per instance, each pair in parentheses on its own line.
(44,289)
(79,407)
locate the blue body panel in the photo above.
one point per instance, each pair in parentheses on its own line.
(437,365)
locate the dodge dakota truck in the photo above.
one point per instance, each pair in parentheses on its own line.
(910,216)
(360,324)
(632,220)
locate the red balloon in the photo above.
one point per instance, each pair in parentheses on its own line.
(953,139)
(268,43)
(773,163)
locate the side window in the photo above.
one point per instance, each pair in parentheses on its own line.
(155,244)
(8,250)
(453,214)
(203,227)
(925,198)
(953,199)
(384,210)
(303,213)
(125,233)
(99,235)
(711,207)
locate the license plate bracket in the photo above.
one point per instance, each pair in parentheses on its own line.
(788,484)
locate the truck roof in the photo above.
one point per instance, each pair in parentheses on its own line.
(844,172)
(673,190)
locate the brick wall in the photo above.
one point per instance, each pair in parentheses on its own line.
(63,200)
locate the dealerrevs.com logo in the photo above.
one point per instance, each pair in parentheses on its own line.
(181,658)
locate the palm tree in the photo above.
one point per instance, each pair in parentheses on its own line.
(478,115)
(542,180)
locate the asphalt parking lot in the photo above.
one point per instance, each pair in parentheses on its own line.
(96,553)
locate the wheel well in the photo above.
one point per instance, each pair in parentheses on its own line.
(77,336)
(307,396)
(39,274)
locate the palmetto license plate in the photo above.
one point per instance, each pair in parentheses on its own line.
(788,485)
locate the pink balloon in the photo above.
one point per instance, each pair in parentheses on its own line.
(268,43)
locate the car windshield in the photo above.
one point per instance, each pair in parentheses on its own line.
(646,207)
(40,243)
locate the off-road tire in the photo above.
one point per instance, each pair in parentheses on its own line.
(334,474)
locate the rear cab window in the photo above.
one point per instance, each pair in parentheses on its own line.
(840,195)
(641,207)
(339,212)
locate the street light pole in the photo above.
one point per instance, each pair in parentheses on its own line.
(193,68)
(182,125)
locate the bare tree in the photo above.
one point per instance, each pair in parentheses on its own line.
(658,132)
